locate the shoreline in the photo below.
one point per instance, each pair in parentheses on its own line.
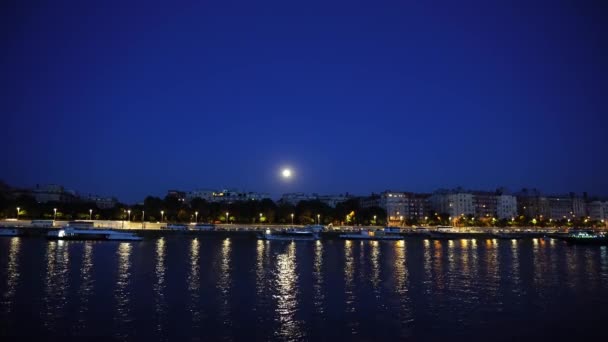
(249,232)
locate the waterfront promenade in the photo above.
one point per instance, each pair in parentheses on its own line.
(37,228)
(132,225)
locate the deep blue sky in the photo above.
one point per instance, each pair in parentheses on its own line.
(135,99)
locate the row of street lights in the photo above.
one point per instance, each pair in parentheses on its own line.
(162,213)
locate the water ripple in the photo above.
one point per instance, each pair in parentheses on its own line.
(122,294)
(12,277)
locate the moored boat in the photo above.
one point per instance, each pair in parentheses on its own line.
(203,226)
(317,228)
(9,232)
(507,236)
(176,226)
(587,237)
(290,235)
(92,234)
(417,231)
(371,235)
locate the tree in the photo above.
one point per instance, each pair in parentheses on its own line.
(284,211)
(200,205)
(153,206)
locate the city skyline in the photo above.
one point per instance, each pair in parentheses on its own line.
(352,96)
(498,206)
(259,194)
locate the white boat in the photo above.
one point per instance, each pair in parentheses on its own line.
(9,232)
(92,234)
(371,235)
(290,235)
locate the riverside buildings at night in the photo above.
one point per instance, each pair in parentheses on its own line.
(401,207)
(331,200)
(224,195)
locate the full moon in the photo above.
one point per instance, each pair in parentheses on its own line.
(286,173)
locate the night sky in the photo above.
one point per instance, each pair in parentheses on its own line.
(129,100)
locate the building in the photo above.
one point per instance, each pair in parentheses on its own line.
(506,206)
(566,207)
(579,206)
(255,196)
(485,204)
(205,194)
(396,205)
(461,204)
(179,195)
(403,206)
(100,201)
(560,207)
(370,201)
(51,193)
(598,210)
(531,203)
(294,198)
(223,196)
(496,204)
(453,202)
(333,200)
(419,206)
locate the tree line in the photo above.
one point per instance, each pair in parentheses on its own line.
(171,209)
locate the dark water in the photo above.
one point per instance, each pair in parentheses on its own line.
(180,288)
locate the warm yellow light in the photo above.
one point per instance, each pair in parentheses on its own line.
(286,173)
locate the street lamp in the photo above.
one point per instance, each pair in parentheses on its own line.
(292,219)
(196,217)
(318,218)
(54,213)
(227,217)
(375,220)
(142,219)
(90,214)
(18,213)
(129,212)
(260,217)
(162,212)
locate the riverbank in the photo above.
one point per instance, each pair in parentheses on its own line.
(252,232)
